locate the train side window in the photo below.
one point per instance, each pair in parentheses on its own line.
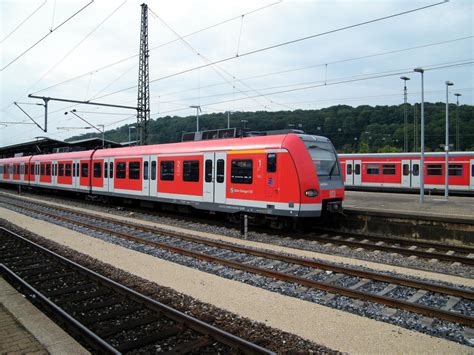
(220,171)
(121,169)
(167,170)
(406,169)
(48,170)
(241,171)
(349,169)
(98,170)
(67,170)
(26,169)
(111,170)
(271,163)
(73,169)
(84,170)
(357,169)
(106,170)
(145,170)
(472,170)
(61,170)
(134,170)
(416,169)
(208,170)
(434,170)
(455,170)
(153,170)
(373,169)
(388,169)
(191,170)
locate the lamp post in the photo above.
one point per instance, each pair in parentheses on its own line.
(129,136)
(446,144)
(457,121)
(405,130)
(422,138)
(198,109)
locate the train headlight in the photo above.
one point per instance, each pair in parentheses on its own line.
(311,193)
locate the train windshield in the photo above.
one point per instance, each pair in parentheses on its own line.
(324,158)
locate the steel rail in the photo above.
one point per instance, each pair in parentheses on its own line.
(403,241)
(417,308)
(193,323)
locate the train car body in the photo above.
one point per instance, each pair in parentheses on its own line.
(401,171)
(282,175)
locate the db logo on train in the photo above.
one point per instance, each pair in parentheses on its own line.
(332,193)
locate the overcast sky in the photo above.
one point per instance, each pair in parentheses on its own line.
(277,79)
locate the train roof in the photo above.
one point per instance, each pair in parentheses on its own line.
(401,155)
(287,141)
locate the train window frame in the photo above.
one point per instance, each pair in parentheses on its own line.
(220,171)
(97,169)
(120,170)
(153,170)
(372,169)
(134,172)
(61,169)
(271,163)
(406,169)
(357,169)
(191,170)
(416,169)
(241,174)
(349,169)
(389,169)
(455,170)
(167,170)
(208,170)
(67,169)
(434,170)
(84,170)
(145,170)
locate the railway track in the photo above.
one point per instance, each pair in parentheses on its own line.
(422,249)
(105,316)
(432,251)
(393,291)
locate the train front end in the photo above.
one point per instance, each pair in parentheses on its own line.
(324,182)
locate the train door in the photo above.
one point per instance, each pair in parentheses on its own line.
(106,175)
(54,173)
(146,176)
(357,180)
(153,176)
(220,190)
(415,173)
(349,172)
(111,174)
(209,178)
(75,174)
(406,175)
(271,183)
(472,174)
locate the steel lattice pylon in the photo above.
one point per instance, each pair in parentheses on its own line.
(143,104)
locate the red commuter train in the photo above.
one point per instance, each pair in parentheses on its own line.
(401,171)
(282,175)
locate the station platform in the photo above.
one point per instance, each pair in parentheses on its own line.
(456,209)
(25,330)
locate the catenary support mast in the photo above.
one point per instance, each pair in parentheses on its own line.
(143,102)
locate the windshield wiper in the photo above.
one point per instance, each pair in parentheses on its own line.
(332,169)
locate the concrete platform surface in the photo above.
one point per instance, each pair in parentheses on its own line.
(456,207)
(24,329)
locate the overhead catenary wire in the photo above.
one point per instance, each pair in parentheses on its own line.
(45,36)
(23,22)
(283,44)
(259,76)
(107,66)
